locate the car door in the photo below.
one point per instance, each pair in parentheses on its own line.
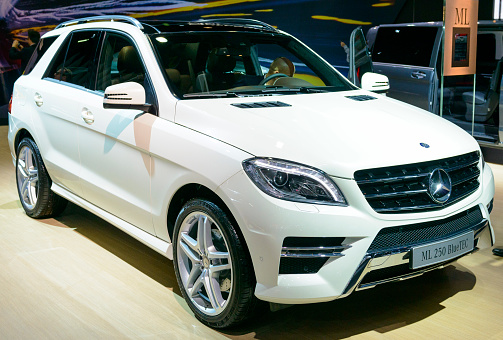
(360,60)
(407,56)
(113,143)
(66,79)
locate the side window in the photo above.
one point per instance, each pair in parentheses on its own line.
(404,45)
(119,63)
(78,66)
(486,53)
(42,47)
(56,70)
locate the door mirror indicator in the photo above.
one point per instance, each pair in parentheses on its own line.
(128,95)
(374,82)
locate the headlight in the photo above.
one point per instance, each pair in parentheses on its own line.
(293,182)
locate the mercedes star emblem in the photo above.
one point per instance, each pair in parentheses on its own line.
(440,186)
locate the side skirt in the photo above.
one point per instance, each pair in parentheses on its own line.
(162,247)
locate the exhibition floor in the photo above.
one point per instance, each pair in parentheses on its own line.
(78,277)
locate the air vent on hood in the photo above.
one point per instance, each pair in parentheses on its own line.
(260,105)
(361,98)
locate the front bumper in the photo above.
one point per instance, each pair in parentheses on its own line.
(380,267)
(349,262)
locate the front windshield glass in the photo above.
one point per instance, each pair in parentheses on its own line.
(223,64)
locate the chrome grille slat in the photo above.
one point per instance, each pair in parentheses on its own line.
(393,179)
(395,194)
(404,188)
(406,209)
(466,179)
(462,166)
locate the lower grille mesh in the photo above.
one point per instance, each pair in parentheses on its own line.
(403,236)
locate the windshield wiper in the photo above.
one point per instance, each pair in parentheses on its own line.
(211,95)
(294,89)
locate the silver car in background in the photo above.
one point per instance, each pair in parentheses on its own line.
(410,56)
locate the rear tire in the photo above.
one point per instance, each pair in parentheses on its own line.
(212,268)
(34,183)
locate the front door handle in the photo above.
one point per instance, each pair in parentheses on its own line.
(87,116)
(418,75)
(38,99)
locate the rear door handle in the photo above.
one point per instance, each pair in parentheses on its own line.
(38,99)
(418,75)
(87,116)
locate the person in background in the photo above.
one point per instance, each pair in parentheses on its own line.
(346,50)
(24,53)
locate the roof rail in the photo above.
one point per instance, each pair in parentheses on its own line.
(240,21)
(122,18)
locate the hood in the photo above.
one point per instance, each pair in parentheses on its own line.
(334,132)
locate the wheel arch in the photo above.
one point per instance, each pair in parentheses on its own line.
(185,194)
(20,135)
(194,190)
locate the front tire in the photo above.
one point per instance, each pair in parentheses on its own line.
(34,183)
(212,268)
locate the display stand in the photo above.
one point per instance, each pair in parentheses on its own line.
(459,44)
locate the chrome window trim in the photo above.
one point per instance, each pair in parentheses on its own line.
(65,83)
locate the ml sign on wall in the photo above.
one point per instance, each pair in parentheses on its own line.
(460,44)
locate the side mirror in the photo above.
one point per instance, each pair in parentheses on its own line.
(374,82)
(128,95)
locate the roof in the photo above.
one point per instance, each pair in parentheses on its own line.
(159,26)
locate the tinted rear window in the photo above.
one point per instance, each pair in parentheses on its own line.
(42,47)
(404,45)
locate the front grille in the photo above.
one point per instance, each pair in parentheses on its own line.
(421,233)
(404,188)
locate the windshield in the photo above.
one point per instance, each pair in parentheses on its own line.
(223,64)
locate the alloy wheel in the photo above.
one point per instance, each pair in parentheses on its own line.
(27,179)
(205,264)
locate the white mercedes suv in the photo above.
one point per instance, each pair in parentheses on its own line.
(235,150)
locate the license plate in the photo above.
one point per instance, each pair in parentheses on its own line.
(441,251)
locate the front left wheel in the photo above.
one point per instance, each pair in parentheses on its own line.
(212,268)
(34,183)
